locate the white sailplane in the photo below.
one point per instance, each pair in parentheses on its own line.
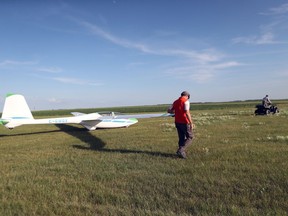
(16,112)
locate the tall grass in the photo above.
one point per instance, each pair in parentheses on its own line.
(237,165)
(228,106)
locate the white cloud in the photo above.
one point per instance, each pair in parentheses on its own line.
(204,56)
(94,29)
(201,73)
(50,69)
(16,63)
(269,33)
(265,38)
(198,74)
(75,81)
(225,65)
(54,100)
(202,60)
(208,55)
(282,9)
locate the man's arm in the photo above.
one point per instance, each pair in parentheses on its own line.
(171,109)
(190,119)
(269,101)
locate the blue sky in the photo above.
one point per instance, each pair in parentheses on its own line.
(85,54)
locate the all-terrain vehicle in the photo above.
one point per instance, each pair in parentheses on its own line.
(262,110)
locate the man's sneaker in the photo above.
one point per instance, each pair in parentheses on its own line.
(181,154)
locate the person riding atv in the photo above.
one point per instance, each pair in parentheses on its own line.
(266,107)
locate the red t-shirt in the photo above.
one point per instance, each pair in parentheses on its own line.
(180,111)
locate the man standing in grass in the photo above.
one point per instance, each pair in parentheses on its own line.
(183,122)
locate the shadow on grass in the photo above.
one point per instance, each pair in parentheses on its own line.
(97,144)
(29,133)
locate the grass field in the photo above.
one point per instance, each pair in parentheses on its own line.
(237,165)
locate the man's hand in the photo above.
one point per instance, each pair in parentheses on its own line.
(192,126)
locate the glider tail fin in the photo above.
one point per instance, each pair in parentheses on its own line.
(15,108)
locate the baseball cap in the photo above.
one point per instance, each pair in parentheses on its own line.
(185,93)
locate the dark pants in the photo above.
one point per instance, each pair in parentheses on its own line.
(185,136)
